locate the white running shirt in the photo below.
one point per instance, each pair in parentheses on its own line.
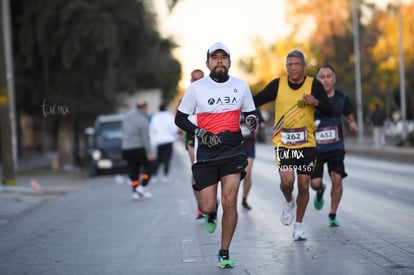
(216,108)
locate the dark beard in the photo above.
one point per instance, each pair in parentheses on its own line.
(219,77)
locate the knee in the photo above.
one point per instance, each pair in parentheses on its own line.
(286,182)
(337,183)
(303,188)
(316,184)
(229,202)
(336,180)
(286,186)
(207,207)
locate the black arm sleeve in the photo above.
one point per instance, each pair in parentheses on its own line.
(182,121)
(268,94)
(251,113)
(318,91)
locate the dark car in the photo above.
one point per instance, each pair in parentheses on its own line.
(105,146)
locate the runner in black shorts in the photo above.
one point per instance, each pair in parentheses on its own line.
(330,143)
(295,96)
(216,102)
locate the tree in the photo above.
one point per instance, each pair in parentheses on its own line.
(325,34)
(386,52)
(80,55)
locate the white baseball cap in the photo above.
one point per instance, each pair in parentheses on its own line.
(218,46)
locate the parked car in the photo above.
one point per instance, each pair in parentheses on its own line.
(105,146)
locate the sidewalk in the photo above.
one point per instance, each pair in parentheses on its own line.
(32,191)
(33,188)
(365,148)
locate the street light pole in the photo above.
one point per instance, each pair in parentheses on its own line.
(403,108)
(358,92)
(7,107)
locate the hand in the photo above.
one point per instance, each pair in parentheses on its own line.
(207,138)
(310,100)
(352,125)
(251,122)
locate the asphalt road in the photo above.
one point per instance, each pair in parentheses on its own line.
(96,228)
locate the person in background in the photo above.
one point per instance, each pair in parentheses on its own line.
(216,102)
(196,75)
(136,149)
(296,96)
(249,141)
(330,143)
(165,133)
(378,118)
(189,146)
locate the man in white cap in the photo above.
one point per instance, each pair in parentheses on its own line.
(217,102)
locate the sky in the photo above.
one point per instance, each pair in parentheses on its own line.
(197,24)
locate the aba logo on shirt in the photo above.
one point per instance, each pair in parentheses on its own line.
(227,100)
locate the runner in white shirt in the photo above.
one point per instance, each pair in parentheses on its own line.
(165,133)
(217,102)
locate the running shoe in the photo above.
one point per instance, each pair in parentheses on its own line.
(210,220)
(318,200)
(143,192)
(298,233)
(135,196)
(246,206)
(224,259)
(333,222)
(199,215)
(287,213)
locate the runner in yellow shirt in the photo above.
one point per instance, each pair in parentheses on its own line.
(296,96)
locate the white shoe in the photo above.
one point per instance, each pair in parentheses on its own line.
(298,233)
(119,179)
(144,192)
(287,212)
(135,196)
